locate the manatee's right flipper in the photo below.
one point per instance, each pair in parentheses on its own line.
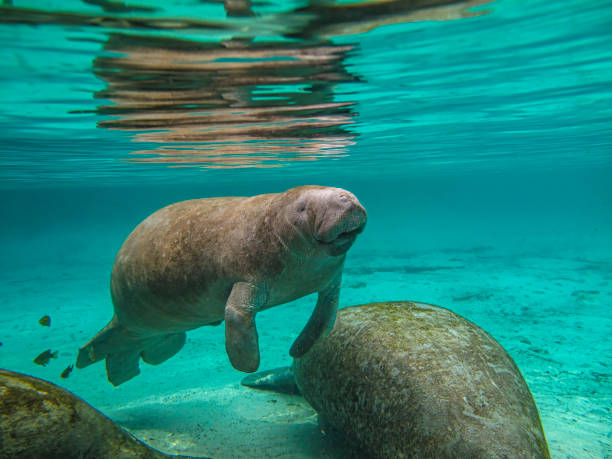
(241,341)
(276,380)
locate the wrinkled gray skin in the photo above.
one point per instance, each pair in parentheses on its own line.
(412,380)
(39,419)
(203,261)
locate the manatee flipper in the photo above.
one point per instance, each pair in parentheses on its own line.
(241,341)
(322,319)
(276,380)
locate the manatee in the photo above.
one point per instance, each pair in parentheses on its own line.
(412,380)
(276,380)
(39,419)
(205,261)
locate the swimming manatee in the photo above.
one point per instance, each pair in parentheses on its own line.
(41,420)
(203,261)
(412,380)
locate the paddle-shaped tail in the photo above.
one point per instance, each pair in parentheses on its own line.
(123,350)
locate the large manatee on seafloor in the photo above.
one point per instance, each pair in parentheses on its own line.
(203,261)
(41,420)
(412,380)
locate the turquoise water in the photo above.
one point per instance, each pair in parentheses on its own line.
(480,146)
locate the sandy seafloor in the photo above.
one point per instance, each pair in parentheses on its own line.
(550,311)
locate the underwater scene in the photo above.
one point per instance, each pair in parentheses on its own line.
(431,178)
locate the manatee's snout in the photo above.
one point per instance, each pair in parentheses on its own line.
(341,220)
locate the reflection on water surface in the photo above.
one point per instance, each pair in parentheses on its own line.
(249,88)
(233,103)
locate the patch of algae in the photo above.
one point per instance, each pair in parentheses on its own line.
(394,324)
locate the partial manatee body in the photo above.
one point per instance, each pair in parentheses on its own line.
(275,380)
(39,419)
(413,380)
(205,261)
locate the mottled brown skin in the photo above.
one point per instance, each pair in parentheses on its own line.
(204,261)
(39,419)
(411,380)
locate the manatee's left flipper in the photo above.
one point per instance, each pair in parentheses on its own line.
(241,341)
(276,380)
(322,319)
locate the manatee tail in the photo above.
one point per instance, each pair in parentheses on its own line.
(123,351)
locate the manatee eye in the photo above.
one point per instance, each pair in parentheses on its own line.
(299,212)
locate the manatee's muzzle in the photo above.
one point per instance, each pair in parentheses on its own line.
(341,235)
